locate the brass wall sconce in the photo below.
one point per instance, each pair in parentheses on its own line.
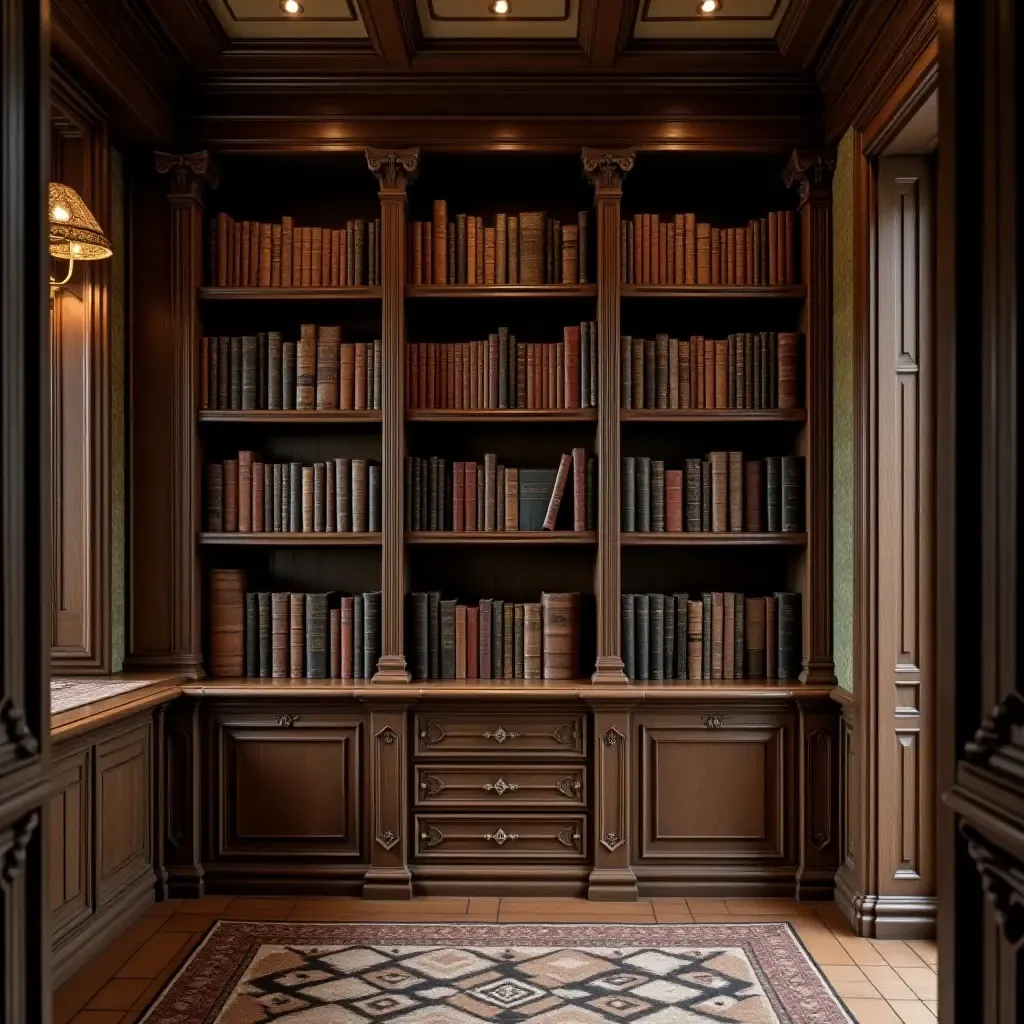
(74,232)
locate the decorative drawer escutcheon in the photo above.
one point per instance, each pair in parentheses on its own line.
(540,732)
(519,837)
(484,786)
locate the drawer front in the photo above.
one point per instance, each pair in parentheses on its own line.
(498,785)
(490,734)
(501,837)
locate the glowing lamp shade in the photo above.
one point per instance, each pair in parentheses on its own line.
(74,233)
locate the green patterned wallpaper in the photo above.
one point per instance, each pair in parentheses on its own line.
(842,413)
(117,412)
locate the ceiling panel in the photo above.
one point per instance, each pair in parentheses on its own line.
(736,19)
(264,19)
(472,19)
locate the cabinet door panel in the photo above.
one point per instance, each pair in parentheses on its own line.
(715,786)
(70,843)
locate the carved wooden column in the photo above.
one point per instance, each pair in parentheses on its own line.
(611,877)
(811,174)
(183,649)
(818,813)
(388,877)
(394,170)
(181,870)
(606,170)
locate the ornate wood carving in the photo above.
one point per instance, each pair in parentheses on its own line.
(811,174)
(394,170)
(14,846)
(606,170)
(612,877)
(1002,878)
(388,876)
(999,730)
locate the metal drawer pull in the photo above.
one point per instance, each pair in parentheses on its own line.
(501,836)
(500,735)
(569,836)
(500,787)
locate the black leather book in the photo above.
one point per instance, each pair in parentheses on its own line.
(261,370)
(628,487)
(224,373)
(657,496)
(236,373)
(431,523)
(443,523)
(705,496)
(628,637)
(316,636)
(420,627)
(374,473)
(535,487)
(792,493)
(650,375)
(693,495)
(591,494)
(773,493)
(357,636)
(741,638)
(263,615)
(642,634)
(275,380)
(518,641)
(656,653)
(213,385)
(252,635)
(416,496)
(408,503)
(295,497)
(765,387)
(434,633)
(789,648)
(497,638)
(371,632)
(643,494)
(286,499)
(447,639)
(343,494)
(705,659)
(288,375)
(682,605)
(669,644)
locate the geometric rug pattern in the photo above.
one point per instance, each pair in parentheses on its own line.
(293,973)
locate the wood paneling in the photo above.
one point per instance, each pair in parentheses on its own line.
(612,877)
(69,842)
(388,875)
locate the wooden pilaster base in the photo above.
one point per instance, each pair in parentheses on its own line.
(391,668)
(612,885)
(186,882)
(387,884)
(609,671)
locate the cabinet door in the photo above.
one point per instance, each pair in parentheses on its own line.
(70,843)
(124,787)
(288,785)
(715,785)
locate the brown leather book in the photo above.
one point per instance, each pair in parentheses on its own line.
(749,247)
(458,497)
(308,499)
(500,249)
(334,650)
(360,496)
(582,246)
(237,281)
(789,218)
(736,492)
(741,255)
(531,398)
(697,370)
(717,634)
(333,277)
(347,638)
(533,640)
(694,639)
(345,258)
(666,253)
(305,255)
(771,638)
(729,635)
(689,247)
(721,374)
(347,376)
(511,499)
(275,255)
(571,340)
(215,497)
(730,256)
(719,491)
(570,254)
(678,244)
(559,635)
(227,623)
(305,368)
(673,500)
(763,225)
(458,350)
(251,276)
(266,255)
(753,496)
(759,276)
(246,250)
(703,254)
(754,617)
(258,483)
(472,613)
(489,256)
(287,234)
(655,248)
(427,245)
(440,242)
(279,624)
(788,370)
(359,253)
(709,374)
(231,495)
(716,256)
(645,248)
(328,354)
(467,251)
(479,250)
(296,634)
(321,271)
(513,249)
(773,248)
(637,248)
(360,376)
(471,514)
(557,493)
(686,398)
(460,641)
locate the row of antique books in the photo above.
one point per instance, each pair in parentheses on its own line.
(681,250)
(251,254)
(743,371)
(503,373)
(723,494)
(487,497)
(531,248)
(711,636)
(247,495)
(282,635)
(495,639)
(262,371)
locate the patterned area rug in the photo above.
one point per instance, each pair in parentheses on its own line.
(247,973)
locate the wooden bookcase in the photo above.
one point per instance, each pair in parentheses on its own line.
(631,740)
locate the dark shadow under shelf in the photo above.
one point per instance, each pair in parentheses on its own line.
(353,294)
(292,540)
(512,537)
(516,416)
(713,291)
(501,291)
(693,539)
(713,415)
(325,417)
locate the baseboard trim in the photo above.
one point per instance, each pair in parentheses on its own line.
(885,917)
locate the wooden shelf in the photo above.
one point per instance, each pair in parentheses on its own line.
(268,416)
(517,416)
(740,540)
(713,291)
(502,291)
(292,540)
(354,294)
(524,537)
(713,415)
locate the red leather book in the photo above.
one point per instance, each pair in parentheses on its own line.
(347,638)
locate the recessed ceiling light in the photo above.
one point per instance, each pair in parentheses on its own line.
(709,6)
(291,6)
(499,7)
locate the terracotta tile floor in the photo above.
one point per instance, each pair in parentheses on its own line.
(881,981)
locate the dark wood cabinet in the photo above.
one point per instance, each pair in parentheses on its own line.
(501,837)
(490,733)
(499,785)
(69,842)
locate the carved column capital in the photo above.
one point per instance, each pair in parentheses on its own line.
(14,848)
(605,169)
(810,173)
(395,169)
(189,173)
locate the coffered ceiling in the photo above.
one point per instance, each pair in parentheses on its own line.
(264,19)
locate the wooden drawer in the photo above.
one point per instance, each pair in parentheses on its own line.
(505,837)
(500,784)
(495,734)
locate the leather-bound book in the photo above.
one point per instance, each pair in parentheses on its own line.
(508,645)
(328,354)
(735,492)
(772,401)
(308,495)
(754,497)
(294,497)
(697,371)
(628,636)
(319,498)
(446,615)
(760,278)
(650,374)
(250,367)
(664,252)
(625,371)
(288,375)
(432,649)
(628,488)
(279,630)
(278,502)
(490,491)
(788,271)
(235,373)
(792,467)
(360,505)
(258,488)
(788,370)
(485,646)
(369,370)
(535,490)
(703,262)
(511,499)
(693,495)
(572,340)
(655,249)
(296,635)
(490,256)
(642,635)
(359,256)
(305,368)
(212,350)
(741,260)
(215,497)
(460,248)
(570,254)
(252,634)
(656,643)
(673,500)
(497,639)
(253,280)
(330,497)
(669,637)
(470,497)
(371,252)
(755,637)
(705,658)
(235,279)
(560,635)
(790,651)
(709,374)
(343,495)
(479,250)
(672,345)
(266,256)
(729,636)
(358,635)
(719,491)
(533,640)
(557,493)
(246,251)
(531,248)
(773,248)
(761,388)
(657,496)
(501,249)
(472,641)
(316,636)
(749,243)
(513,249)
(334,643)
(686,398)
(771,637)
(470,256)
(261,661)
(694,639)
(773,494)
(717,634)
(371,632)
(740,637)
(730,256)
(230,498)
(721,374)
(739,371)
(553,251)
(716,256)
(516,634)
(416,259)
(347,376)
(373,479)
(705,496)
(582,247)
(458,497)
(359,376)
(748,371)
(644,234)
(348,642)
(643,494)
(332,271)
(579,490)
(661,390)
(440,242)
(765,272)
(262,357)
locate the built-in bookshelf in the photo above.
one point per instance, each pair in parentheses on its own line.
(650,311)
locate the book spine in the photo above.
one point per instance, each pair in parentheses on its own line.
(485,654)
(533,639)
(296,634)
(694,639)
(628,638)
(643,494)
(656,644)
(753,496)
(706,667)
(434,634)
(371,632)
(642,632)
(657,496)
(788,642)
(735,491)
(359,496)
(555,502)
(279,629)
(773,489)
(252,634)
(673,500)
(245,461)
(316,636)
(215,497)
(792,471)
(628,487)
(347,655)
